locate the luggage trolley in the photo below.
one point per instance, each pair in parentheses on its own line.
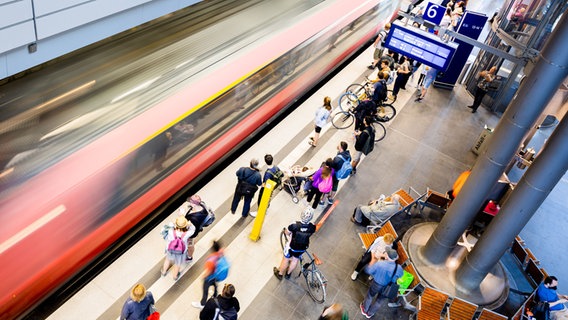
(295,179)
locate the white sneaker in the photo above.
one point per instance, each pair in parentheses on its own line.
(197,305)
(253,213)
(354,275)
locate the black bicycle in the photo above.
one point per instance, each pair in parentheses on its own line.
(315,280)
(345,119)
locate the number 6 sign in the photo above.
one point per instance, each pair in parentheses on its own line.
(434,13)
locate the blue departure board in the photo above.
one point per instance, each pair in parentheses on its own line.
(420,45)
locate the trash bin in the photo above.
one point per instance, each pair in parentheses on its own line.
(481,143)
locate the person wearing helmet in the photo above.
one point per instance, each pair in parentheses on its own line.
(299,234)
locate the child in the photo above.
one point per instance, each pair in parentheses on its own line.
(321,119)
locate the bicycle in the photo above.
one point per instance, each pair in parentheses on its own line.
(315,279)
(349,101)
(365,91)
(344,119)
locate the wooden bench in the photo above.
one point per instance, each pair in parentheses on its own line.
(490,315)
(534,273)
(461,310)
(519,252)
(431,304)
(368,238)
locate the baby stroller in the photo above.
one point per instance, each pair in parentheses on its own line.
(296,176)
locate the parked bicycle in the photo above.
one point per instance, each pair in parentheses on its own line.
(315,280)
(345,119)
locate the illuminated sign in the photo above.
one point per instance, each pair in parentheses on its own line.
(420,45)
(434,13)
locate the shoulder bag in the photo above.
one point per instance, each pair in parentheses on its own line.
(391,290)
(246,188)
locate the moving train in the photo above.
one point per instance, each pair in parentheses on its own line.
(82,185)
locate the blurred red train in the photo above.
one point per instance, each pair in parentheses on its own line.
(63,217)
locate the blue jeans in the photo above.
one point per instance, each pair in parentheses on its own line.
(246,206)
(371,302)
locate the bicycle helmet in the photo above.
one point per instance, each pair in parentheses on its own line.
(307,215)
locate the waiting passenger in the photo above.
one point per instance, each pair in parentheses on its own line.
(364,142)
(248,182)
(225,305)
(321,182)
(272,172)
(176,248)
(377,211)
(377,249)
(196,214)
(336,164)
(137,306)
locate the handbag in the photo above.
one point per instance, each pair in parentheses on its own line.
(154,314)
(245,188)
(391,290)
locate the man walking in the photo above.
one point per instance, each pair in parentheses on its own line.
(249,180)
(383,272)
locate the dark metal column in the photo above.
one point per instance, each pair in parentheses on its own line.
(532,97)
(539,180)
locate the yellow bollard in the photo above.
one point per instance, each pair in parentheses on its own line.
(259,220)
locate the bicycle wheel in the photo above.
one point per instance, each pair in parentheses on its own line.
(380,131)
(358,90)
(315,283)
(385,112)
(283,238)
(342,120)
(390,97)
(348,101)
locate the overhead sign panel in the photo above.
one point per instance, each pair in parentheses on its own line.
(420,45)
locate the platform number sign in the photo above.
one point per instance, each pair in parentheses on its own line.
(434,13)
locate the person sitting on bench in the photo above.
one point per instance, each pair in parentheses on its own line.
(376,211)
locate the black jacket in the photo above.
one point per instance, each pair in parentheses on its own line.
(208,311)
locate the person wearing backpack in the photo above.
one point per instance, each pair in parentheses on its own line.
(176,248)
(273,173)
(341,166)
(214,272)
(379,45)
(364,142)
(224,306)
(299,234)
(199,217)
